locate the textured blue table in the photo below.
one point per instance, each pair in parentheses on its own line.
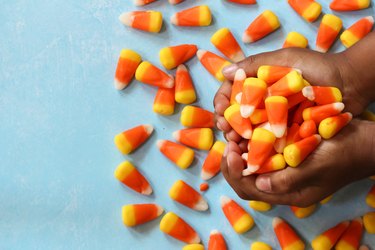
(59,113)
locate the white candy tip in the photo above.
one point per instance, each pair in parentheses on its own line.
(298,70)
(201,205)
(266,126)
(339,106)
(174,19)
(170,83)
(205,176)
(176,135)
(238,97)
(195,240)
(119,85)
(214,231)
(252,168)
(246,110)
(147,191)
(160,210)
(245,156)
(126,18)
(149,128)
(200,53)
(308,92)
(247,172)
(173,1)
(278,130)
(160,143)
(224,200)
(246,38)
(247,134)
(370,19)
(181,67)
(240,75)
(320,49)
(138,2)
(276,221)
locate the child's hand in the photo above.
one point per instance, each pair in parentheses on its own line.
(347,157)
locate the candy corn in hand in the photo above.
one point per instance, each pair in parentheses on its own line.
(273,163)
(308,9)
(271,74)
(187,196)
(131,139)
(171,57)
(238,81)
(349,5)
(216,241)
(195,117)
(177,228)
(196,16)
(180,155)
(290,84)
(319,113)
(277,112)
(126,67)
(241,125)
(149,20)
(240,220)
(295,153)
(357,31)
(213,63)
(330,126)
(133,215)
(225,42)
(149,74)
(184,88)
(322,95)
(253,92)
(211,165)
(264,24)
(288,239)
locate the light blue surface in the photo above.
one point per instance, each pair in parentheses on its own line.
(59,113)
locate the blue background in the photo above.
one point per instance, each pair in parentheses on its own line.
(59,113)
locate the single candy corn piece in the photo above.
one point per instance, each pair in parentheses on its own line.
(136,214)
(240,220)
(225,42)
(308,9)
(277,111)
(261,146)
(195,117)
(273,163)
(126,67)
(131,139)
(253,91)
(287,237)
(184,88)
(142,2)
(211,165)
(238,81)
(322,95)
(243,1)
(127,174)
(295,153)
(196,16)
(164,101)
(241,125)
(264,24)
(149,20)
(199,138)
(319,113)
(193,247)
(149,74)
(177,228)
(213,63)
(369,222)
(370,198)
(308,128)
(349,5)
(303,212)
(290,84)
(330,126)
(357,31)
(216,241)
(260,246)
(180,155)
(293,134)
(328,239)
(175,1)
(259,116)
(328,31)
(298,114)
(187,196)
(368,115)
(171,57)
(351,238)
(260,206)
(203,187)
(295,39)
(271,74)
(295,99)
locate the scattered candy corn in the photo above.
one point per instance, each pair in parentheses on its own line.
(277,111)
(290,84)
(199,138)
(330,126)
(216,241)
(204,187)
(243,1)
(239,79)
(136,214)
(196,16)
(213,63)
(370,198)
(303,212)
(308,128)
(328,31)
(295,39)
(164,101)
(193,247)
(240,220)
(180,155)
(126,67)
(349,5)
(225,42)
(295,153)
(319,113)
(328,239)
(143,2)
(211,165)
(351,238)
(260,206)
(195,117)
(308,9)
(271,74)
(131,177)
(184,88)
(187,196)
(253,91)
(171,57)
(357,31)
(175,1)
(177,228)
(149,20)
(273,163)
(260,246)
(131,139)
(149,74)
(241,125)
(369,222)
(287,237)
(264,24)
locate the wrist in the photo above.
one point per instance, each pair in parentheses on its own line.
(366,145)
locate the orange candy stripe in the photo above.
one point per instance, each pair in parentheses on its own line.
(164,101)
(285,234)
(259,28)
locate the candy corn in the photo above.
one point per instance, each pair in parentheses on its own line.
(308,128)
(133,215)
(352,236)
(131,177)
(271,74)
(295,99)
(193,247)
(298,114)
(264,24)
(177,228)
(253,92)
(213,63)
(199,138)
(328,31)
(149,20)
(261,146)
(149,74)
(357,31)
(326,200)
(287,237)
(204,187)
(290,84)
(211,165)
(143,2)
(328,239)
(349,5)
(241,125)
(216,241)
(187,196)
(131,139)
(175,1)
(260,246)
(295,153)
(295,39)
(180,155)
(293,134)
(239,79)
(184,88)
(319,113)
(308,9)
(243,1)
(196,16)
(164,101)
(370,198)
(171,57)
(126,66)
(225,42)
(303,212)
(240,220)
(277,111)
(195,117)
(273,163)
(322,95)
(259,116)
(330,126)
(369,222)
(260,206)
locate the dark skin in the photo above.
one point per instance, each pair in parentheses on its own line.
(345,158)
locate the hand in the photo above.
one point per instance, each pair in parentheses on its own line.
(347,157)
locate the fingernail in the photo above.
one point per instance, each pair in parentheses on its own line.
(263,183)
(230,70)
(226,150)
(219,126)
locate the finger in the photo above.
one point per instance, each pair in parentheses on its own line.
(222,97)
(222,124)
(243,145)
(233,136)
(230,147)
